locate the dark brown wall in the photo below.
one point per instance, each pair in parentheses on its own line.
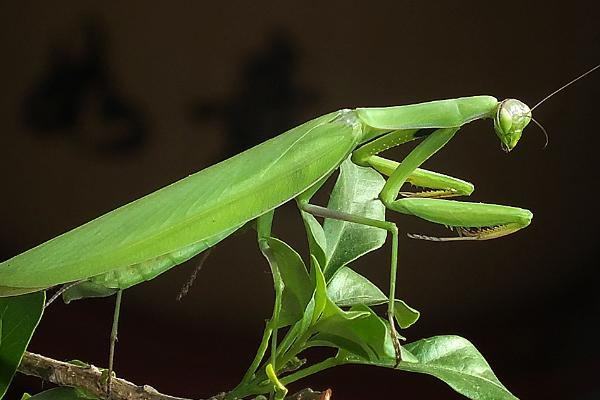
(104,102)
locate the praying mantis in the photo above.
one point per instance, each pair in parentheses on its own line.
(148,236)
(142,239)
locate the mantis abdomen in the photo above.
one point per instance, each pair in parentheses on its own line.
(122,278)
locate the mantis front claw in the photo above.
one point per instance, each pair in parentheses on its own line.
(432,194)
(474,233)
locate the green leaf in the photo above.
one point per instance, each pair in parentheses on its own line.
(316,237)
(297,285)
(305,322)
(405,315)
(358,331)
(349,288)
(334,330)
(320,294)
(19,316)
(62,393)
(318,301)
(457,362)
(356,192)
(452,359)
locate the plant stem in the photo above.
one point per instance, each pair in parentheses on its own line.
(90,378)
(289,339)
(260,353)
(295,349)
(313,369)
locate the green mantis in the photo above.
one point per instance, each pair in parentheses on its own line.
(142,239)
(152,234)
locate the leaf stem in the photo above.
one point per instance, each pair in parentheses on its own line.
(260,353)
(313,369)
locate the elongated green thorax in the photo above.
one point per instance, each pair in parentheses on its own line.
(451,113)
(510,117)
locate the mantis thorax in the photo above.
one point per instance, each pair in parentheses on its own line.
(512,116)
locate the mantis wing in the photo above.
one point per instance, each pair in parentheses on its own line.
(196,208)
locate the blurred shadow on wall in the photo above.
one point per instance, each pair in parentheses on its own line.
(268,100)
(77,99)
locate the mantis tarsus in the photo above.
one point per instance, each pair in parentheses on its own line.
(148,236)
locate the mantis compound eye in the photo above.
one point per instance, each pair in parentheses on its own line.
(512,116)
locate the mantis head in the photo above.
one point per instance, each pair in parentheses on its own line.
(512,116)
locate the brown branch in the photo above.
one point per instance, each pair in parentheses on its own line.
(91,379)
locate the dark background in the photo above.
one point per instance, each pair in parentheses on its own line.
(103,102)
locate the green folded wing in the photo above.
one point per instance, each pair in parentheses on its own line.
(193,209)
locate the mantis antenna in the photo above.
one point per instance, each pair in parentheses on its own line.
(543,130)
(565,86)
(555,92)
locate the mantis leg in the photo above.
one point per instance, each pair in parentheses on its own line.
(442,185)
(113,341)
(479,221)
(475,221)
(358,219)
(438,185)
